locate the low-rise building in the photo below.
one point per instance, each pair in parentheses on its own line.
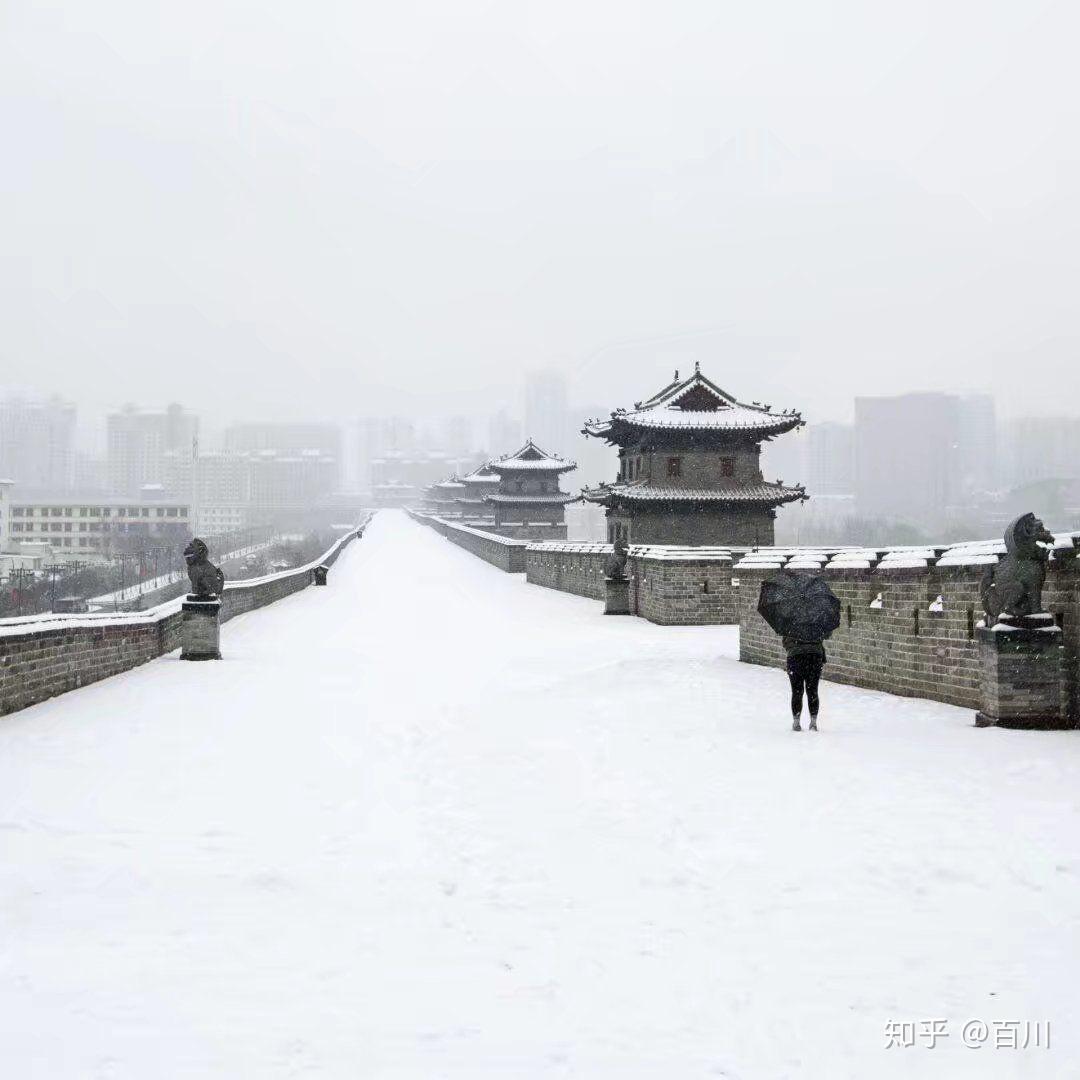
(472,501)
(94,526)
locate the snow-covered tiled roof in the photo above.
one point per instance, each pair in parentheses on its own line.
(694,404)
(484,475)
(527,499)
(530,458)
(451,483)
(644,491)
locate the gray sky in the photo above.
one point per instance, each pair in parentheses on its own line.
(326,209)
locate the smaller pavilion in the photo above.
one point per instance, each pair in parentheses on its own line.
(442,497)
(529,504)
(472,502)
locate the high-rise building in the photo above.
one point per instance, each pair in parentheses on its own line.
(456,436)
(286,435)
(907,457)
(1041,448)
(91,473)
(289,439)
(547,413)
(5,512)
(213,477)
(37,443)
(977,458)
(287,484)
(829,458)
(503,432)
(376,438)
(138,441)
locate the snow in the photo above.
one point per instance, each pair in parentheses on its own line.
(435,822)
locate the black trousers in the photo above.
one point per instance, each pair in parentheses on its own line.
(805,674)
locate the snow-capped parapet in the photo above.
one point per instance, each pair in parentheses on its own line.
(105,643)
(896,557)
(987,552)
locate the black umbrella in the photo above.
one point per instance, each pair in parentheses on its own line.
(801,606)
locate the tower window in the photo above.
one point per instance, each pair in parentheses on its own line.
(674,466)
(727,466)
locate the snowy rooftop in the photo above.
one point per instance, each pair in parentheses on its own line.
(530,458)
(484,476)
(645,491)
(525,499)
(695,403)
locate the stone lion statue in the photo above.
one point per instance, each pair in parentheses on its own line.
(207,580)
(1014,586)
(615,564)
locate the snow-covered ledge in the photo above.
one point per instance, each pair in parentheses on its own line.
(502,551)
(45,655)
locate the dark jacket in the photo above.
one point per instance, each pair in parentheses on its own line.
(794,647)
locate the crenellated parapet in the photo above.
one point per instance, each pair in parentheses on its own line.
(911,615)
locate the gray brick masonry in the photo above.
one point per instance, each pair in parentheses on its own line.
(902,646)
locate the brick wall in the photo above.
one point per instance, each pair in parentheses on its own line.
(675,588)
(903,647)
(500,551)
(532,530)
(576,568)
(668,585)
(45,655)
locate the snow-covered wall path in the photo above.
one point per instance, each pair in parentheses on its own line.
(432,821)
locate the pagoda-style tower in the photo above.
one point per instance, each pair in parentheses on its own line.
(442,497)
(690,468)
(529,504)
(478,484)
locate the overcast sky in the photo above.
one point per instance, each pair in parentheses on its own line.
(315,209)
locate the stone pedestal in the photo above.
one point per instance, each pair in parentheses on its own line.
(318,575)
(617,596)
(200,635)
(1023,674)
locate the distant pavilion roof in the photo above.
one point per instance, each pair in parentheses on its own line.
(530,458)
(451,483)
(693,404)
(484,475)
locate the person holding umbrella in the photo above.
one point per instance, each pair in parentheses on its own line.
(802,609)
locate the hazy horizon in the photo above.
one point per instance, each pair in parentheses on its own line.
(272,212)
